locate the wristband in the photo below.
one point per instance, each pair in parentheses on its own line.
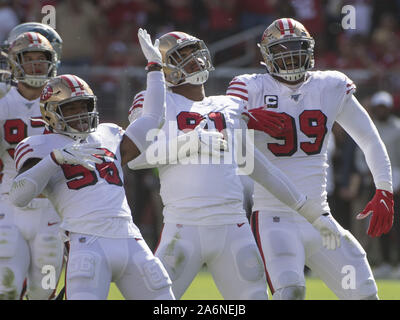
(150,64)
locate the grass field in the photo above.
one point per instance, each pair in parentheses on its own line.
(203,288)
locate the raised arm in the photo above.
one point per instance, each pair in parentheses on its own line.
(135,139)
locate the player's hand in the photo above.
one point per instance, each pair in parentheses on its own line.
(201,141)
(382,209)
(330,231)
(6,82)
(79,154)
(269,122)
(327,226)
(211,142)
(150,50)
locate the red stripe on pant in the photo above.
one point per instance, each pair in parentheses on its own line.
(24,288)
(66,266)
(53,295)
(255,228)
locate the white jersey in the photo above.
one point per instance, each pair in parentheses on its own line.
(310,110)
(200,194)
(19,118)
(89,202)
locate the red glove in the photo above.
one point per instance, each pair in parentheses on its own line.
(381,207)
(270,122)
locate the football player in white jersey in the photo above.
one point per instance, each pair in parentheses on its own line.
(6,80)
(78,167)
(29,235)
(204,220)
(45,30)
(311,102)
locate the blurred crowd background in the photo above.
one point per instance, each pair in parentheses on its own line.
(101,46)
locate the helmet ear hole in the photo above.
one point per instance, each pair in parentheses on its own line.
(48,55)
(90,105)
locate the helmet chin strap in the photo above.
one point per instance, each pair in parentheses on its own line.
(75,134)
(34,82)
(197,78)
(67,130)
(287,77)
(292,76)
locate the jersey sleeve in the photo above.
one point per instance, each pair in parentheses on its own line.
(238,88)
(343,87)
(355,120)
(29,148)
(135,111)
(246,87)
(238,91)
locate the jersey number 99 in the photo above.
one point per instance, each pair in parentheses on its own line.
(312,124)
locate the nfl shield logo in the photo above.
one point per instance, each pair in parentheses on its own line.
(295,97)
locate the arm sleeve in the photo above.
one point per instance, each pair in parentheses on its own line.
(355,120)
(238,89)
(135,111)
(153,111)
(141,162)
(31,183)
(269,176)
(165,150)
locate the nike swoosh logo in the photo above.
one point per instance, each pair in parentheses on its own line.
(51,223)
(240,224)
(384,203)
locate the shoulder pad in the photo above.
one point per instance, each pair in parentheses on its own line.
(110,128)
(336,79)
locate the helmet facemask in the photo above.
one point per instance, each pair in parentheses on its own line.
(34,80)
(68,106)
(176,62)
(78,125)
(289,58)
(45,30)
(32,59)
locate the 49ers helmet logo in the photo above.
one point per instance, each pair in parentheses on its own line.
(46,93)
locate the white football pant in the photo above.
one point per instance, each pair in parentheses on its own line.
(288,242)
(94,262)
(30,249)
(229,252)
